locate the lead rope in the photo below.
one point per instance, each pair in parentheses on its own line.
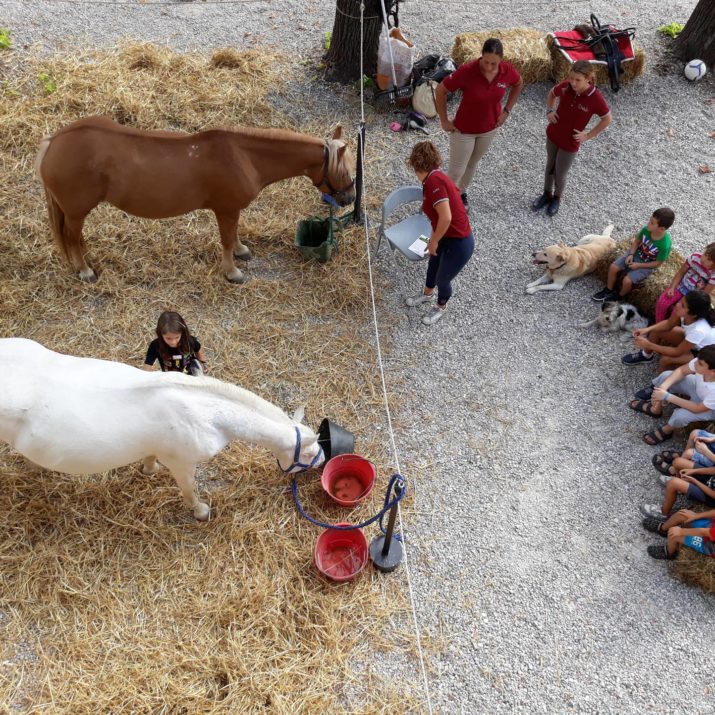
(366,228)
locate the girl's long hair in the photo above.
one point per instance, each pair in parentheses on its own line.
(171,322)
(699,305)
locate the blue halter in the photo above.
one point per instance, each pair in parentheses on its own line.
(296,456)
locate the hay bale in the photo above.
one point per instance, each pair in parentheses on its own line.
(91,564)
(524,47)
(560,66)
(645,294)
(694,569)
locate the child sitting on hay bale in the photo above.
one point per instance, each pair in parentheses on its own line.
(697,381)
(648,250)
(696,273)
(689,328)
(683,528)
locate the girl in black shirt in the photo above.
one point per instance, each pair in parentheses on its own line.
(175,348)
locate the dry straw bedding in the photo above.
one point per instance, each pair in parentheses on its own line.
(112,598)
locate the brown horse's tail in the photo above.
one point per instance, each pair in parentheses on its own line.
(54,210)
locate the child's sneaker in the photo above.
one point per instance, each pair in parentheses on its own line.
(433,316)
(653,511)
(414,300)
(660,551)
(603,295)
(664,479)
(636,358)
(654,525)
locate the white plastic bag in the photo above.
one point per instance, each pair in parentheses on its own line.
(403,55)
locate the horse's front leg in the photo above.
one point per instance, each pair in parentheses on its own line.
(228,229)
(184,475)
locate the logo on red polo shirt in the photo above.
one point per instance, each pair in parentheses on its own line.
(582,108)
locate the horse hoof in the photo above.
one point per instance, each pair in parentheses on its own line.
(202,511)
(88,276)
(236,277)
(247,256)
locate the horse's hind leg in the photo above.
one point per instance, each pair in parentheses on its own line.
(75,248)
(228,226)
(241,250)
(184,476)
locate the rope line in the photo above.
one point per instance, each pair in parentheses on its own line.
(378,342)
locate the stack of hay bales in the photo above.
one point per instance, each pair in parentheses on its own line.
(524,47)
(561,66)
(535,56)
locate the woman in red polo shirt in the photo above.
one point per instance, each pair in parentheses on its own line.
(579,100)
(484,83)
(451,243)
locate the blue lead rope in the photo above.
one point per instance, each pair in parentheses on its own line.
(396,482)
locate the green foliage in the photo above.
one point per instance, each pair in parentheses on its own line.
(367,82)
(327,37)
(48,82)
(672,30)
(5,39)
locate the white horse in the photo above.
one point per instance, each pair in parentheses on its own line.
(82,416)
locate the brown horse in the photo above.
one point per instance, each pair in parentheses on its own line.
(161,174)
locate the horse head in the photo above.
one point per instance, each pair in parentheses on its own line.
(306,453)
(338,179)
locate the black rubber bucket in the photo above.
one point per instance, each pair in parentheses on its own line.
(335,439)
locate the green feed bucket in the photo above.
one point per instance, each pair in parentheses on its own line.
(315,238)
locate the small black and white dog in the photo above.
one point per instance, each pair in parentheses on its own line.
(615,316)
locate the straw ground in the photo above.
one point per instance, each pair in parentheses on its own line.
(112,599)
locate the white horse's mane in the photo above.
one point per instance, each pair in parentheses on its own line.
(234,393)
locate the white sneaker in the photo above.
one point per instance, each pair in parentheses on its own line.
(652,510)
(664,479)
(414,300)
(433,316)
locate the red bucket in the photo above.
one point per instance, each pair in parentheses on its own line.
(341,555)
(348,479)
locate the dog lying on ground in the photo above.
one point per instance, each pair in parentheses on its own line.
(564,263)
(615,316)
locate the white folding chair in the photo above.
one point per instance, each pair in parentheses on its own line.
(403,234)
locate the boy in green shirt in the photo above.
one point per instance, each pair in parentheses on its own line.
(647,251)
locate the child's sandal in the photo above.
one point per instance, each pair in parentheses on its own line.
(656,436)
(663,466)
(668,455)
(645,407)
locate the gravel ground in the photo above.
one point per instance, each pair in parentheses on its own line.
(526,550)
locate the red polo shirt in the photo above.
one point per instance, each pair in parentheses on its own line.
(481,100)
(438,187)
(575,111)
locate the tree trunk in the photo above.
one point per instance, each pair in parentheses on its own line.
(697,40)
(343,57)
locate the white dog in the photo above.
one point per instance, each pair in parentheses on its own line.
(564,263)
(615,316)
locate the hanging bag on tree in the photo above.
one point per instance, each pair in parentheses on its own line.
(402,55)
